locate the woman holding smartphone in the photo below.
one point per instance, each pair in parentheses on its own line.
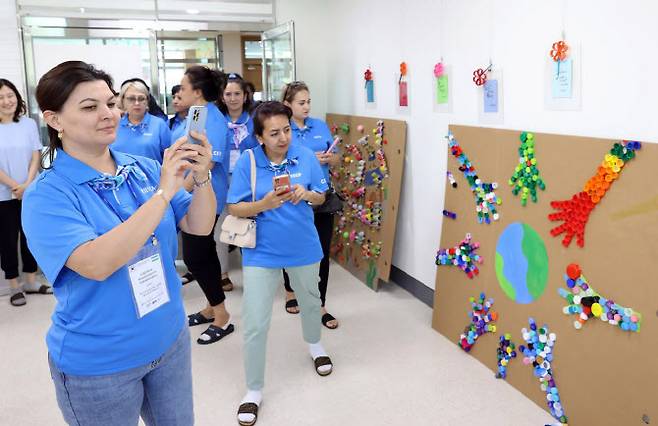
(236,104)
(288,178)
(314,134)
(200,87)
(102,225)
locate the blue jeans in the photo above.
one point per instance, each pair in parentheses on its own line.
(160,391)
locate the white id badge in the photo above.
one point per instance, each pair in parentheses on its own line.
(235,154)
(147,279)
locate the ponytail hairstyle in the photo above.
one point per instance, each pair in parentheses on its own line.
(207,80)
(248,104)
(56,86)
(21,109)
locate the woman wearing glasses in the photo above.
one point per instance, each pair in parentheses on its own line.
(314,134)
(139,132)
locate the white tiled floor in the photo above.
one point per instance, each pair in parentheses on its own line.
(391,368)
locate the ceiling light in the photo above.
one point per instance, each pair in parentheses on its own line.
(192,11)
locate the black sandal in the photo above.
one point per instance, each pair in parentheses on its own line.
(187,278)
(198,319)
(325,321)
(227,284)
(17,299)
(215,333)
(248,408)
(43,289)
(321,361)
(292,303)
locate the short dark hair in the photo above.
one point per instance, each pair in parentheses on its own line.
(292,89)
(175,90)
(267,110)
(21,109)
(244,86)
(207,80)
(56,86)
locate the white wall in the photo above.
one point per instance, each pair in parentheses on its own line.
(232,47)
(11,64)
(619,92)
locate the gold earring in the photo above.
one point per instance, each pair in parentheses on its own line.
(60,134)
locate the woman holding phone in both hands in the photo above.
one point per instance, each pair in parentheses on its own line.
(313,134)
(103,225)
(285,238)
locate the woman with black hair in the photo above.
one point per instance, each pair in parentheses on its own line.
(180,112)
(19,164)
(200,86)
(236,105)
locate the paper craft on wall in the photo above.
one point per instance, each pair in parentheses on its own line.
(441,91)
(563,77)
(575,212)
(369,86)
(586,303)
(521,263)
(403,93)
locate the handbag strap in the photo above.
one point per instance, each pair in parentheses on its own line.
(253,175)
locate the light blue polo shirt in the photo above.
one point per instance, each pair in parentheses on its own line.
(315,136)
(248,142)
(285,236)
(216,131)
(18,141)
(149,138)
(95,328)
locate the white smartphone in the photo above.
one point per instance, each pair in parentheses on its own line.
(196,120)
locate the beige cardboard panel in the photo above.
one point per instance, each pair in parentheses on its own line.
(395,134)
(605,376)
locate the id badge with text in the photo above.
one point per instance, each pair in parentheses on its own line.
(147,279)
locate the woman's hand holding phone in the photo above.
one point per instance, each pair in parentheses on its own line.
(298,194)
(275,199)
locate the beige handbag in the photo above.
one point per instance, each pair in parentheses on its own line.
(241,231)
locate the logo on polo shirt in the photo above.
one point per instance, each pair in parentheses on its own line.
(217,153)
(317,137)
(296,175)
(148,189)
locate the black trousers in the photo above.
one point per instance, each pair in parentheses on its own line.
(200,257)
(324,223)
(10,230)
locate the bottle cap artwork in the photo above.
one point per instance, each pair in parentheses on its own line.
(462,255)
(482,321)
(525,179)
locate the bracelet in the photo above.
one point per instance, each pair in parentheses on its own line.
(204,183)
(160,192)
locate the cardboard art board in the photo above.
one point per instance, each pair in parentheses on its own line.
(371,271)
(605,376)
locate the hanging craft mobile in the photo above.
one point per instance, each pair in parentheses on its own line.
(480,75)
(438,69)
(559,53)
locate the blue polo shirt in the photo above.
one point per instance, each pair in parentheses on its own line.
(248,142)
(175,122)
(285,236)
(149,138)
(315,136)
(216,134)
(95,329)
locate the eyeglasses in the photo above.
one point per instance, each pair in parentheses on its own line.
(136,100)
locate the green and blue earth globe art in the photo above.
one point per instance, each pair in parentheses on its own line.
(521,263)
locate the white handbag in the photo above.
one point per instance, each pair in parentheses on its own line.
(241,231)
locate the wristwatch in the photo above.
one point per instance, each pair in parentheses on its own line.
(204,183)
